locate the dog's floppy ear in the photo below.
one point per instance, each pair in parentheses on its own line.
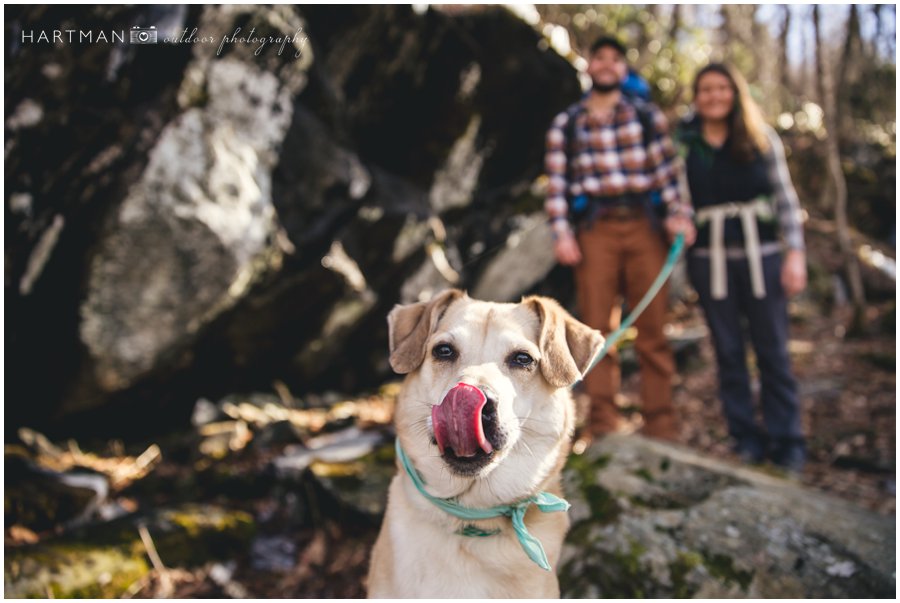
(409,327)
(567,345)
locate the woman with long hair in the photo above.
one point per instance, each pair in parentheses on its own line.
(748,259)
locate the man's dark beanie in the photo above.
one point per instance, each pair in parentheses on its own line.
(608,41)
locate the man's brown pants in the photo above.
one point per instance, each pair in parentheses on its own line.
(625,256)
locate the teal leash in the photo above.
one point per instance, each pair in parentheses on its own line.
(544,501)
(661,278)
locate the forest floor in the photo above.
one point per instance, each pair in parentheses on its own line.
(848,395)
(847,389)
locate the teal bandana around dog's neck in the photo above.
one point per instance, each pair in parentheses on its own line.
(545,501)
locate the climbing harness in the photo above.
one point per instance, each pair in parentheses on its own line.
(748,212)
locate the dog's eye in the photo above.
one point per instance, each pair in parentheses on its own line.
(444,351)
(520,359)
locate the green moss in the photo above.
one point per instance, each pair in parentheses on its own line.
(105,560)
(385,455)
(581,534)
(644,474)
(602,461)
(722,567)
(631,560)
(585,467)
(581,467)
(678,571)
(73,571)
(122,576)
(617,574)
(602,502)
(621,574)
(665,502)
(665,464)
(187,521)
(215,535)
(627,575)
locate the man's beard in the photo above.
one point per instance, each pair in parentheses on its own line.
(606,88)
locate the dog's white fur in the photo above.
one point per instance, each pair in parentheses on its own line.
(418,554)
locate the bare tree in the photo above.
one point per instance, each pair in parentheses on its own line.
(758,46)
(852,49)
(785,76)
(827,96)
(881,33)
(675,24)
(850,71)
(726,31)
(806,70)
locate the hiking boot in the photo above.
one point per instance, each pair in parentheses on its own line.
(603,417)
(661,426)
(792,459)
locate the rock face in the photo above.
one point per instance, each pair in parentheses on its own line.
(654,520)
(218,218)
(189,237)
(95,113)
(522,263)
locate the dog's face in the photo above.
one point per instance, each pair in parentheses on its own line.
(485,412)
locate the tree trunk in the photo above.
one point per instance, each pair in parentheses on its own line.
(882,34)
(785,76)
(849,74)
(826,91)
(807,81)
(675,25)
(762,68)
(726,32)
(852,48)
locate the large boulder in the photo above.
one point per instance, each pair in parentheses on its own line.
(191,235)
(248,217)
(397,176)
(656,520)
(82,121)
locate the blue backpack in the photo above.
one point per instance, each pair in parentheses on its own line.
(636,86)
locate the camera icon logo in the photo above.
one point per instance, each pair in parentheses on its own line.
(143,35)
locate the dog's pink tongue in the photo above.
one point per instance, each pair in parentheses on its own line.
(457,421)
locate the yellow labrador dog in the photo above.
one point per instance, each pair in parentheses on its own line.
(484,424)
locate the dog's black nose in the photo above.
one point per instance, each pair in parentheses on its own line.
(490,420)
(488,393)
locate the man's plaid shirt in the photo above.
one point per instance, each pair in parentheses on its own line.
(610,160)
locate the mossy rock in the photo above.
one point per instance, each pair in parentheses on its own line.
(359,486)
(654,520)
(66,570)
(104,560)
